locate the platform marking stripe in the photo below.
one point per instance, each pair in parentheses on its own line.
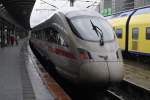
(28,93)
(138,85)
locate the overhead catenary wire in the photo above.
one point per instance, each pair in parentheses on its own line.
(50,4)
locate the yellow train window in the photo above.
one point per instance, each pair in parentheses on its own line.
(119,33)
(135,33)
(148,33)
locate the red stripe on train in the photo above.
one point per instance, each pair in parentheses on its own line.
(62,53)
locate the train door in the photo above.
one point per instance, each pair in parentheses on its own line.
(121,37)
(120,29)
(145,40)
(148,39)
(134,38)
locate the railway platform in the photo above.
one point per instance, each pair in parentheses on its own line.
(137,73)
(21,81)
(18,79)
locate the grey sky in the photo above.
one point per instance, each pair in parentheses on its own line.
(43,9)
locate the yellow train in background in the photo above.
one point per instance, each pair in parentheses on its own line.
(133,30)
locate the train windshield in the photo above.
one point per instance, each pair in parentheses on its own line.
(84,29)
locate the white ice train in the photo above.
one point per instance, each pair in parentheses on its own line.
(81,45)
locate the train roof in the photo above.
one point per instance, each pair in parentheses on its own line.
(142,11)
(73,12)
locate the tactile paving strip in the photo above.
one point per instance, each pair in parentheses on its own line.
(27,89)
(26,86)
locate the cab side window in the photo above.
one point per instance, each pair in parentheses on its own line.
(135,33)
(61,40)
(57,38)
(54,36)
(119,33)
(148,33)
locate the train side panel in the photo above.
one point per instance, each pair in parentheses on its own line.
(139,35)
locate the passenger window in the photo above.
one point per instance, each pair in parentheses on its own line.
(135,32)
(119,33)
(148,33)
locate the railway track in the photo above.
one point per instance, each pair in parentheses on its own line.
(114,96)
(130,91)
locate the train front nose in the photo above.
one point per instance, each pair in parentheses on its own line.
(115,71)
(100,73)
(94,73)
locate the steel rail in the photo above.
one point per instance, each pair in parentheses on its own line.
(114,95)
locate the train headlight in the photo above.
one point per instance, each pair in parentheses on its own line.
(84,55)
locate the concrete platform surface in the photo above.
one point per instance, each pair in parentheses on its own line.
(15,77)
(137,73)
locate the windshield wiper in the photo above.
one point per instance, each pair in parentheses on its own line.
(98,32)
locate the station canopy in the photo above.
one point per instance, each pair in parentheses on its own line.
(20,10)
